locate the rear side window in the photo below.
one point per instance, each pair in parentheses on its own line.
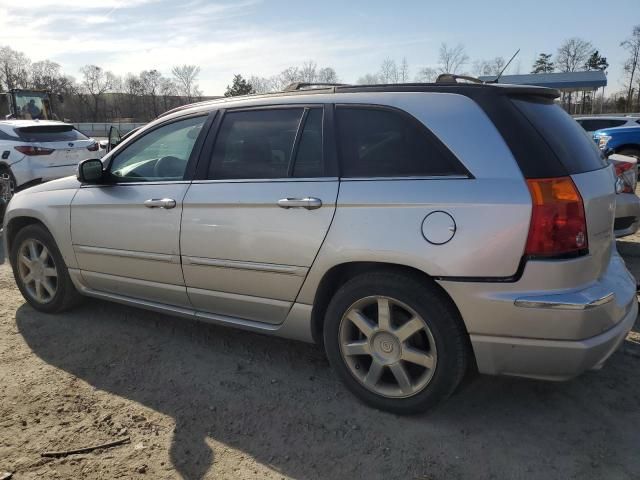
(308,162)
(575,149)
(255,144)
(50,133)
(380,142)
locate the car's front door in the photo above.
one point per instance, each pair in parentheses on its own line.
(255,220)
(125,233)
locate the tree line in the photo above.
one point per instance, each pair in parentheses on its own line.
(101,95)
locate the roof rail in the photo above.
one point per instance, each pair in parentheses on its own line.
(452,78)
(295,86)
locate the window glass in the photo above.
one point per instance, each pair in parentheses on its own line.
(160,155)
(309,161)
(574,148)
(50,133)
(597,124)
(255,144)
(385,143)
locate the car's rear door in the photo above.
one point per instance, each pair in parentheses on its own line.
(125,233)
(259,211)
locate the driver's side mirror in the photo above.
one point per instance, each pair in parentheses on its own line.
(90,171)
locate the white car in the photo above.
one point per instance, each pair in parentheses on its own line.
(598,122)
(34,151)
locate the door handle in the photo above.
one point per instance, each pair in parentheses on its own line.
(160,203)
(310,203)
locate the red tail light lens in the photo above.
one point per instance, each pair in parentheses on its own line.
(33,151)
(626,172)
(93,147)
(558,225)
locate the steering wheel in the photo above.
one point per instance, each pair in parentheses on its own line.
(169,166)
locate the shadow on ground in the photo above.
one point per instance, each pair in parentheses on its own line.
(278,401)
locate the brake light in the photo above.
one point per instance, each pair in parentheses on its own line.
(33,151)
(93,147)
(626,174)
(558,224)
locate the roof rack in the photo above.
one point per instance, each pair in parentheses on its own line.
(295,86)
(452,78)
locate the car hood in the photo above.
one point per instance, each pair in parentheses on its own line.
(64,183)
(614,130)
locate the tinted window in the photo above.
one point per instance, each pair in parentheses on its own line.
(309,154)
(575,149)
(50,133)
(160,155)
(255,144)
(597,124)
(375,142)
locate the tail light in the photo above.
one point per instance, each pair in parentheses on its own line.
(34,151)
(626,176)
(93,147)
(558,224)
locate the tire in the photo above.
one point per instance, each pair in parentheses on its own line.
(4,170)
(56,292)
(441,343)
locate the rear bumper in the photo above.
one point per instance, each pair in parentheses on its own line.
(627,214)
(549,359)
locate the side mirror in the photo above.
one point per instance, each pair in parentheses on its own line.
(90,171)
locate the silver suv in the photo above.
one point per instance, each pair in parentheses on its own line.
(416,231)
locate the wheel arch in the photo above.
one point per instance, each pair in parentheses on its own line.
(341,273)
(18,223)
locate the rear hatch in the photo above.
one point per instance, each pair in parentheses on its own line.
(65,145)
(580,159)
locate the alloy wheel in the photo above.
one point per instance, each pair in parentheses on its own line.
(37,270)
(388,347)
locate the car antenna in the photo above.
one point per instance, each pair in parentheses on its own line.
(505,67)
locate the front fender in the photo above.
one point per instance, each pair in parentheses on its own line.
(53,210)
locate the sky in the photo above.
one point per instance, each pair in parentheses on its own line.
(263,37)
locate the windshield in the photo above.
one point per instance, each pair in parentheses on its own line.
(32,106)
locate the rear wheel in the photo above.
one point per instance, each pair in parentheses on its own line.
(396,341)
(40,271)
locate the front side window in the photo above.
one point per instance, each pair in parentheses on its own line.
(375,142)
(255,144)
(160,155)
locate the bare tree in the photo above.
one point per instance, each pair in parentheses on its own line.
(368,79)
(426,75)
(388,71)
(186,77)
(150,81)
(327,75)
(573,55)
(168,89)
(14,68)
(96,82)
(261,84)
(632,46)
(308,72)
(452,59)
(487,68)
(403,71)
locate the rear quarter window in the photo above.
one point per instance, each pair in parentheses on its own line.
(384,142)
(573,147)
(50,133)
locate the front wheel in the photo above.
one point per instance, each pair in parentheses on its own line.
(40,271)
(396,341)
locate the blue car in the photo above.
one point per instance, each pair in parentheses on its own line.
(622,140)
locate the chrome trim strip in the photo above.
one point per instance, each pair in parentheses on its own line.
(267,180)
(568,304)
(240,297)
(123,184)
(260,267)
(420,177)
(158,257)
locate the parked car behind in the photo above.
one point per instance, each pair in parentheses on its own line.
(416,231)
(622,140)
(598,122)
(627,219)
(34,151)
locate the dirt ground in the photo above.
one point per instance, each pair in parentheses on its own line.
(200,401)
